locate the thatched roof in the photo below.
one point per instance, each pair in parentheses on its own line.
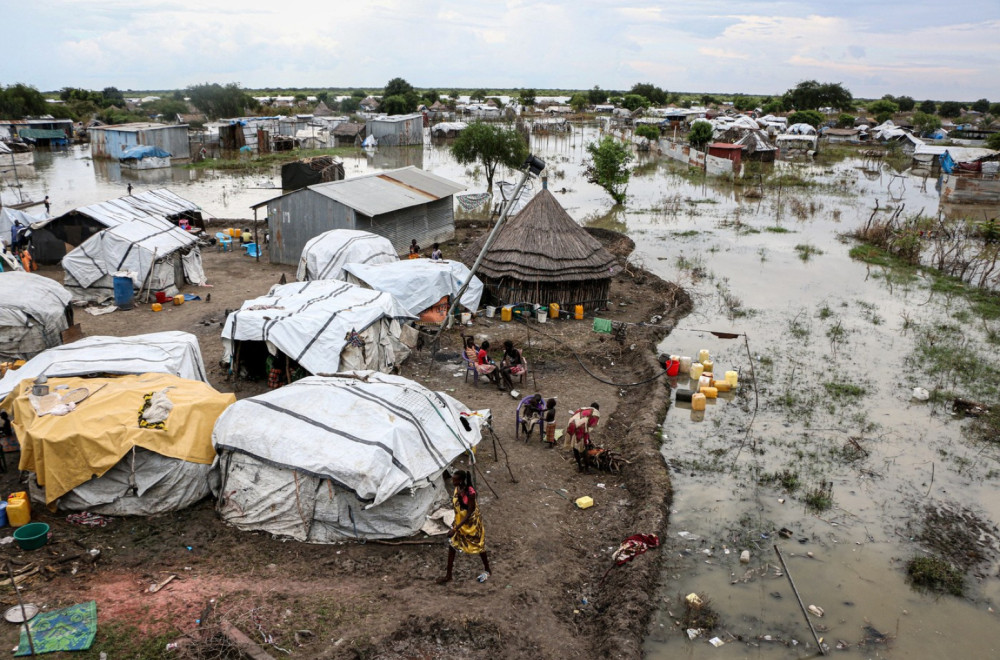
(348,129)
(322,110)
(543,243)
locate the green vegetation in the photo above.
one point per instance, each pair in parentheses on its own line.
(218,101)
(118,640)
(648,131)
(490,145)
(19,101)
(811,95)
(841,390)
(846,121)
(399,97)
(787,479)
(926,123)
(883,109)
(650,92)
(820,498)
(776,229)
(806,251)
(634,101)
(609,166)
(701,134)
(526,97)
(811,117)
(935,574)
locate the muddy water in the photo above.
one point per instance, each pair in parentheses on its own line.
(811,316)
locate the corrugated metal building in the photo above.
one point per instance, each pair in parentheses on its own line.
(399,204)
(111,141)
(397,130)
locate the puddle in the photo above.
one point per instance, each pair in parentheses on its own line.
(834,344)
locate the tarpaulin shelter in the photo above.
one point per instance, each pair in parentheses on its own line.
(356,456)
(34,311)
(543,256)
(57,236)
(419,283)
(144,157)
(323,326)
(324,257)
(99,457)
(9,216)
(171,352)
(137,248)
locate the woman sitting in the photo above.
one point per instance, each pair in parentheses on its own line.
(480,359)
(512,364)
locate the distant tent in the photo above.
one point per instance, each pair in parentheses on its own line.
(324,257)
(543,256)
(101,458)
(358,455)
(34,311)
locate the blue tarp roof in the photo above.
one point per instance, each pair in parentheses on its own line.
(143,151)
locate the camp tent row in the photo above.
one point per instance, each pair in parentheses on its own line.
(351,456)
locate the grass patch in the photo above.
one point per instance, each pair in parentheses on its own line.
(935,574)
(806,251)
(839,390)
(688,233)
(820,499)
(787,479)
(119,640)
(825,312)
(778,230)
(699,614)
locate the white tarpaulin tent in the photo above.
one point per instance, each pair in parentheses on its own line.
(324,257)
(34,311)
(419,283)
(9,216)
(171,352)
(134,247)
(327,459)
(325,326)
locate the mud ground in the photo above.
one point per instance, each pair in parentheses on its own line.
(554,592)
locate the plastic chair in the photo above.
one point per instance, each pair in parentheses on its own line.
(470,366)
(225,243)
(251,250)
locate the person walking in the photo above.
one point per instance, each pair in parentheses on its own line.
(467,533)
(130,189)
(48,204)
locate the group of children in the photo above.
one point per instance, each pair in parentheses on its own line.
(533,411)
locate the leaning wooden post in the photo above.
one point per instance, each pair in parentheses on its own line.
(799,598)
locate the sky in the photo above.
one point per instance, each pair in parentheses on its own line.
(917,48)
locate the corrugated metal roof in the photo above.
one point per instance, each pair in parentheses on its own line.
(384,192)
(161,202)
(395,119)
(136,127)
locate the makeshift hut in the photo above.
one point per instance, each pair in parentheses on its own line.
(127,445)
(144,157)
(543,256)
(53,238)
(171,352)
(34,311)
(757,147)
(355,456)
(317,327)
(324,257)
(448,129)
(310,171)
(424,287)
(156,254)
(397,130)
(348,134)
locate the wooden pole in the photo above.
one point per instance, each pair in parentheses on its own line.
(805,613)
(24,613)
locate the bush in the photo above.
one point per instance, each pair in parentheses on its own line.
(648,131)
(846,121)
(811,117)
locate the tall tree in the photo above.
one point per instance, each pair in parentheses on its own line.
(19,101)
(217,101)
(597,95)
(527,97)
(397,87)
(950,109)
(609,166)
(490,145)
(982,105)
(929,107)
(811,95)
(635,101)
(905,103)
(578,102)
(654,94)
(113,96)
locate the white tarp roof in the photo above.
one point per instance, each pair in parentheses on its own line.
(171,352)
(371,433)
(311,322)
(419,283)
(801,129)
(157,203)
(24,295)
(449,126)
(8,216)
(324,256)
(128,246)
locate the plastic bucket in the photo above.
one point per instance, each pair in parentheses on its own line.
(124,292)
(542,315)
(161,297)
(466,318)
(490,311)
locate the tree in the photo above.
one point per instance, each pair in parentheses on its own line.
(982,105)
(995,109)
(700,134)
(950,109)
(925,123)
(350,105)
(648,131)
(578,102)
(811,95)
(19,101)
(397,87)
(616,99)
(405,98)
(771,107)
(993,142)
(811,117)
(112,96)
(490,145)
(929,107)
(359,94)
(478,95)
(217,101)
(708,99)
(635,101)
(321,97)
(395,105)
(609,166)
(527,97)
(883,109)
(905,103)
(597,95)
(431,96)
(846,121)
(654,94)
(741,102)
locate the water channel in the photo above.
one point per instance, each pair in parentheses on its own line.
(834,344)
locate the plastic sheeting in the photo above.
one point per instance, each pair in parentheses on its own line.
(324,325)
(419,283)
(9,216)
(32,314)
(141,151)
(801,129)
(171,352)
(324,257)
(359,455)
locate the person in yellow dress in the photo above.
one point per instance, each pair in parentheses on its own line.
(467,533)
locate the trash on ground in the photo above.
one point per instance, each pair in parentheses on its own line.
(813,609)
(920,394)
(716,642)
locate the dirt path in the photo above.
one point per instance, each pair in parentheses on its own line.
(545,598)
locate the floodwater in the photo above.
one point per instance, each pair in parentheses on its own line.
(834,346)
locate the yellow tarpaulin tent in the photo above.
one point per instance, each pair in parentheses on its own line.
(68,450)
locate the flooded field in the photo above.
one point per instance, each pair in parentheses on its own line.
(831,447)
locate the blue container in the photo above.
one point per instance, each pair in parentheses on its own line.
(3,513)
(124,292)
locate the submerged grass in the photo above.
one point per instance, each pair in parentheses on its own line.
(935,574)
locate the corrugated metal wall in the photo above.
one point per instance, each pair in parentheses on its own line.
(295,218)
(428,223)
(397,133)
(110,142)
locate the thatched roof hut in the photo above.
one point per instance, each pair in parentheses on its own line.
(543,256)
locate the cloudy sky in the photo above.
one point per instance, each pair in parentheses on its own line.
(918,48)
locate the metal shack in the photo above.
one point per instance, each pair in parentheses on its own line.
(402,204)
(112,141)
(397,130)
